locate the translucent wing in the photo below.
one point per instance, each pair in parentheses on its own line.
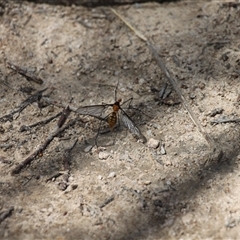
(97,111)
(129,124)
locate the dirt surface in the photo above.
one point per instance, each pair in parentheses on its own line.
(180,189)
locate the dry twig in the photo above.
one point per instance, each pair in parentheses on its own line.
(6,213)
(225,120)
(45,121)
(28,75)
(43,146)
(107,201)
(33,98)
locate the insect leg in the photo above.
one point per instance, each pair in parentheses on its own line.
(115,91)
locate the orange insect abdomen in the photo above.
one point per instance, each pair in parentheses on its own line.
(112,119)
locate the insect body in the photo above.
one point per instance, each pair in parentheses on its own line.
(112,118)
(117,116)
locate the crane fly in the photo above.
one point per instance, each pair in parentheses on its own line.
(113,119)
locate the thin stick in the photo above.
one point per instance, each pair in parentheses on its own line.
(28,75)
(219,120)
(45,121)
(65,113)
(42,147)
(33,98)
(107,201)
(5,214)
(172,80)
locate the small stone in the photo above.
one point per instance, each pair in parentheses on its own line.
(111,175)
(147,182)
(162,150)
(4,138)
(125,157)
(201,86)
(7,126)
(187,218)
(153,143)
(168,162)
(2,129)
(88,149)
(192,95)
(103,155)
(168,183)
(74,186)
(62,186)
(149,133)
(141,81)
(50,210)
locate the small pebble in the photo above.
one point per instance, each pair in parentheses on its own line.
(168,162)
(50,210)
(2,129)
(201,86)
(147,182)
(112,175)
(103,155)
(149,133)
(62,186)
(4,138)
(74,186)
(168,182)
(187,218)
(7,126)
(153,143)
(141,81)
(192,95)
(88,148)
(162,150)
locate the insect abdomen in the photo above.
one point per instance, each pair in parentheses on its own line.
(112,120)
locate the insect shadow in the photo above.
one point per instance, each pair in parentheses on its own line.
(113,117)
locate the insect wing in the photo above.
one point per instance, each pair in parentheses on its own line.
(129,124)
(97,111)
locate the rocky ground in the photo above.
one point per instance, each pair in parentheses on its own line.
(175,186)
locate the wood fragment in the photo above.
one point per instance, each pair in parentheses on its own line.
(54,176)
(216,111)
(4,160)
(65,113)
(33,98)
(107,201)
(225,120)
(5,214)
(43,122)
(6,145)
(42,147)
(28,75)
